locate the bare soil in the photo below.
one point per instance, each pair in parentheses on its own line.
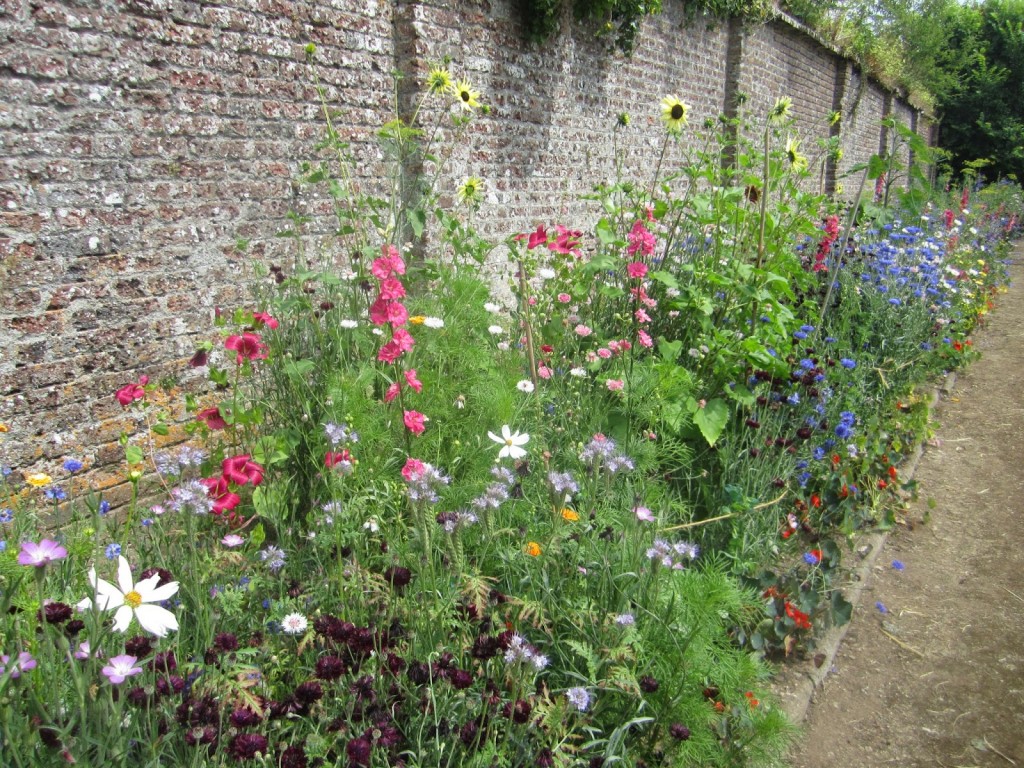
(938,680)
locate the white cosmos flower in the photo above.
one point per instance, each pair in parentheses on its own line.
(525,386)
(511,443)
(132,599)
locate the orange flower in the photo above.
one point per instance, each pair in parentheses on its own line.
(570,515)
(533,549)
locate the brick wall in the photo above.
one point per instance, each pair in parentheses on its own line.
(141,138)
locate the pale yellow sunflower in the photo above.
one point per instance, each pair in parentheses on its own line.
(439,80)
(467,97)
(673,112)
(471,190)
(797,160)
(782,111)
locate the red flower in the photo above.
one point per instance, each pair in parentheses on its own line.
(241,470)
(261,319)
(344,458)
(129,393)
(801,619)
(415,422)
(249,346)
(223,499)
(538,237)
(567,241)
(212,418)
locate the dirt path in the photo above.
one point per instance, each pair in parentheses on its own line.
(939,679)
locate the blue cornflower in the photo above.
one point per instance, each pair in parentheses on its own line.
(55,494)
(807,364)
(3,546)
(807,328)
(146,522)
(112,551)
(6,515)
(811,559)
(830,339)
(843,431)
(818,453)
(881,607)
(104,507)
(895,302)
(803,478)
(898,565)
(73,465)
(799,335)
(847,362)
(793,399)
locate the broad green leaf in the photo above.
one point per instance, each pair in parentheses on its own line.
(133,454)
(711,419)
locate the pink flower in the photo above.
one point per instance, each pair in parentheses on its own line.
(23,663)
(129,393)
(644,339)
(640,241)
(604,353)
(636,269)
(642,316)
(261,319)
(564,298)
(379,312)
(223,499)
(232,540)
(544,372)
(121,668)
(389,352)
(614,385)
(948,218)
(341,459)
(582,330)
(397,314)
(241,470)
(38,555)
(567,242)
(413,470)
(392,392)
(389,263)
(412,381)
(415,421)
(625,345)
(643,514)
(404,339)
(391,288)
(538,237)
(249,346)
(212,418)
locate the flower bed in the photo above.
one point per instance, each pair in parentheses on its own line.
(418,522)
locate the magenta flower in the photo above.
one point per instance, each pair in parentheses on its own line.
(121,668)
(249,346)
(24,663)
(412,381)
(640,241)
(129,393)
(212,417)
(241,470)
(637,269)
(392,392)
(38,555)
(415,421)
(261,319)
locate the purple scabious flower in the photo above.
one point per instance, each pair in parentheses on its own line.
(274,557)
(562,482)
(579,697)
(191,498)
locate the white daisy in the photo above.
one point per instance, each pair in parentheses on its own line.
(433,322)
(132,599)
(525,386)
(495,330)
(294,624)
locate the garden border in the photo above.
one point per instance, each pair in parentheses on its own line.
(795,685)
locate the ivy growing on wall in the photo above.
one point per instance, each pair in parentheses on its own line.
(619,20)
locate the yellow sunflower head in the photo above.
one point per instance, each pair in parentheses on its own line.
(782,111)
(471,190)
(673,112)
(439,80)
(467,97)
(797,161)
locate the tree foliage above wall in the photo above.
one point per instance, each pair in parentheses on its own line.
(619,20)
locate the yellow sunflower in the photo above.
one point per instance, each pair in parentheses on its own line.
(466,96)
(797,161)
(673,112)
(471,190)
(439,80)
(782,111)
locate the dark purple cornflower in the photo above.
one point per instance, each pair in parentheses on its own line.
(358,751)
(330,668)
(243,717)
(308,692)
(460,679)
(648,684)
(245,746)
(293,757)
(139,646)
(679,732)
(56,613)
(225,642)
(398,577)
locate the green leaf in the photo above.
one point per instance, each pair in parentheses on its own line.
(842,609)
(298,368)
(161,429)
(258,535)
(417,220)
(877,165)
(711,419)
(133,454)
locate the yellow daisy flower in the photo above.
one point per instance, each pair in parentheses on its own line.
(417,319)
(673,112)
(466,96)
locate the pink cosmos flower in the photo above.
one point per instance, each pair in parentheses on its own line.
(38,555)
(212,418)
(636,269)
(413,469)
(129,393)
(391,288)
(249,346)
(121,668)
(415,421)
(261,319)
(640,240)
(241,470)
(614,385)
(412,381)
(564,298)
(643,514)
(392,392)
